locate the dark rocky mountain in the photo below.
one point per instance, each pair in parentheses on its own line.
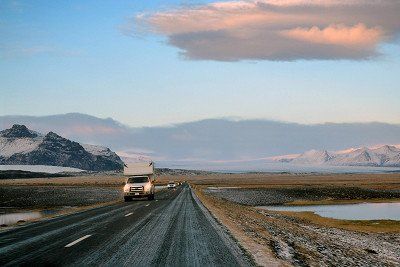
(19,131)
(21,146)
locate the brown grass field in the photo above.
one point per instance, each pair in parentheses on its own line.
(250,180)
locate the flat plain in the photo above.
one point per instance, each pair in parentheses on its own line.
(270,237)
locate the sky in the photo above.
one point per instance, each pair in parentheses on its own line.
(147,63)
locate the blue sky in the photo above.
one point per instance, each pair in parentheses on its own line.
(74,57)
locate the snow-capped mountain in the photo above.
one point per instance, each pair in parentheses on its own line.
(21,146)
(382,156)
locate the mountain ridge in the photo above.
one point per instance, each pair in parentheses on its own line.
(209,139)
(382,156)
(21,146)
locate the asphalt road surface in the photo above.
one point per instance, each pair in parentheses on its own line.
(173,230)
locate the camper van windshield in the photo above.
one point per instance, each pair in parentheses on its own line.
(138,179)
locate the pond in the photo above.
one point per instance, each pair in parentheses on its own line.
(361,211)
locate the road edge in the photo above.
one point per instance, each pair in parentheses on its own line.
(240,253)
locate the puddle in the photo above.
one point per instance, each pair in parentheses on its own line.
(362,211)
(13,218)
(9,217)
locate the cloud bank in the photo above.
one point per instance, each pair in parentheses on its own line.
(282,30)
(215,140)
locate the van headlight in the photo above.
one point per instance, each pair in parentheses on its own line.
(147,187)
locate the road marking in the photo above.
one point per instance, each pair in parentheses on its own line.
(77,241)
(129,214)
(147,205)
(156,200)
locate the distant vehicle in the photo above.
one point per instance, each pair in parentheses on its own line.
(171,185)
(140,181)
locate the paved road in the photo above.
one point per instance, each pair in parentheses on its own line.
(173,230)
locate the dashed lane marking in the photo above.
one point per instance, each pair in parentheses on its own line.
(129,214)
(147,205)
(77,241)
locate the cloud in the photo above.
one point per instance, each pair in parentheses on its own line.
(211,140)
(359,35)
(276,29)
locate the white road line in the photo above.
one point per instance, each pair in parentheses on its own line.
(129,214)
(156,200)
(77,241)
(147,205)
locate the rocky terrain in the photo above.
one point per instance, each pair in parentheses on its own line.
(279,196)
(21,146)
(383,156)
(303,244)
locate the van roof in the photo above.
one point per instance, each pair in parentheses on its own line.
(140,168)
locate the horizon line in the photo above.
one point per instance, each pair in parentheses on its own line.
(222,118)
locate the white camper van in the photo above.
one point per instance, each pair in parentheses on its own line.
(140,180)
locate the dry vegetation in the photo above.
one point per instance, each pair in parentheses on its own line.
(251,180)
(257,180)
(88,180)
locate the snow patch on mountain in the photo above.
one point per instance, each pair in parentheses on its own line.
(10,146)
(382,156)
(97,150)
(18,139)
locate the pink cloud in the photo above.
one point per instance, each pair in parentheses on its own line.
(358,35)
(276,29)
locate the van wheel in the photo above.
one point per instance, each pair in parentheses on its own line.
(127,199)
(151,197)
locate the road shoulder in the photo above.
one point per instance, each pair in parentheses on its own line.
(242,246)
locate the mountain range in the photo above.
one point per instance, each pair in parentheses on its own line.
(210,140)
(381,156)
(21,146)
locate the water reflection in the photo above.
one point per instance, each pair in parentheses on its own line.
(13,218)
(362,211)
